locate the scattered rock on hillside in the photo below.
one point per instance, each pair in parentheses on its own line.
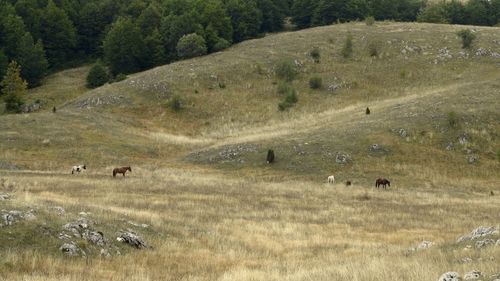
(424,245)
(7,166)
(471,159)
(480,232)
(83,229)
(463,139)
(5,197)
(58,210)
(401,132)
(132,239)
(450,276)
(13,216)
(450,146)
(32,107)
(143,225)
(102,101)
(71,249)
(342,158)
(484,243)
(473,275)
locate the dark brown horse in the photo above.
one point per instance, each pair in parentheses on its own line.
(121,170)
(382,182)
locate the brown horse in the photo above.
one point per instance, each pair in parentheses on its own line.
(382,182)
(121,170)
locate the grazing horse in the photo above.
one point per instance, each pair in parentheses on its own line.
(382,182)
(78,169)
(348,183)
(331,179)
(121,170)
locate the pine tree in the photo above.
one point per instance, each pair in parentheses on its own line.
(11,32)
(58,34)
(124,47)
(32,58)
(13,88)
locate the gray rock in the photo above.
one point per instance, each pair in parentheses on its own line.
(473,275)
(70,249)
(424,245)
(95,237)
(480,232)
(105,253)
(33,107)
(450,146)
(466,260)
(403,133)
(132,239)
(342,158)
(484,243)
(11,217)
(471,159)
(450,276)
(463,139)
(4,197)
(59,210)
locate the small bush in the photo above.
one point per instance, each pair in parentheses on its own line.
(373,49)
(221,45)
(315,54)
(176,103)
(191,45)
(290,99)
(97,76)
(286,70)
(370,20)
(284,88)
(452,119)
(347,49)
(120,77)
(13,103)
(467,37)
(315,82)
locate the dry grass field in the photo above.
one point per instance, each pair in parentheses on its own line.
(214,210)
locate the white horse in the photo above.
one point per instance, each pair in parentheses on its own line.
(78,168)
(331,179)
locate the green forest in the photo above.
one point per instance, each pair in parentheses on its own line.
(128,36)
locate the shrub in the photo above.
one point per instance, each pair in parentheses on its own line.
(347,49)
(191,45)
(176,103)
(284,88)
(290,99)
(315,54)
(120,77)
(13,103)
(221,45)
(373,49)
(452,119)
(315,82)
(467,37)
(286,70)
(97,76)
(369,20)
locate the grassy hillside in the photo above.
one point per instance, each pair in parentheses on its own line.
(216,210)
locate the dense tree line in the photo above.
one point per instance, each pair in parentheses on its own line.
(133,35)
(130,35)
(473,12)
